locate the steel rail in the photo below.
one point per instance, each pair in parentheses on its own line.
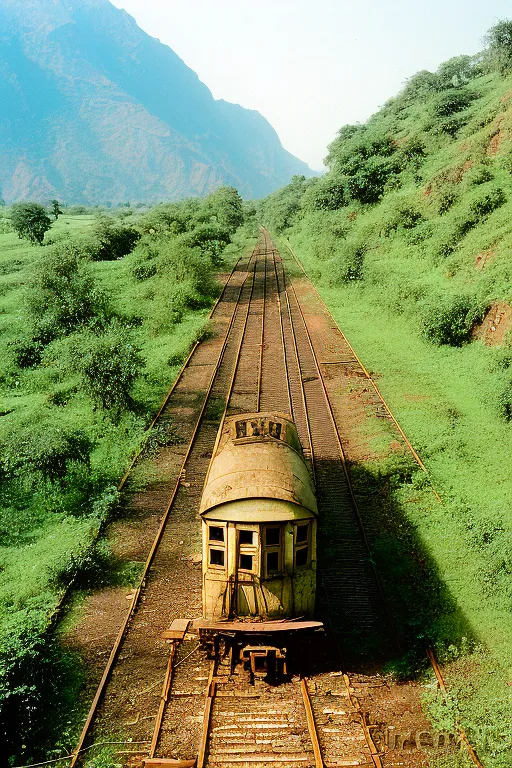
(262,336)
(312,727)
(440,680)
(281,328)
(135,599)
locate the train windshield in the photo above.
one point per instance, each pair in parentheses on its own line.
(257,427)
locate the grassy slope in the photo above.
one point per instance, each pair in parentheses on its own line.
(448,399)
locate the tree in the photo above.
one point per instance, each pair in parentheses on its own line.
(64,296)
(30,221)
(499,47)
(224,207)
(55,209)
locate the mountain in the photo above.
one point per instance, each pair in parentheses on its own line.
(92,109)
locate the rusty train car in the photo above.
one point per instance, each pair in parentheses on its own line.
(259,526)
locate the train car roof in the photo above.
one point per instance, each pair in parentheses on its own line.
(258,456)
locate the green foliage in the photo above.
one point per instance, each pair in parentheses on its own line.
(450,320)
(498,54)
(211,238)
(449,102)
(45,449)
(347,265)
(114,240)
(30,221)
(284,206)
(64,296)
(224,207)
(55,209)
(109,364)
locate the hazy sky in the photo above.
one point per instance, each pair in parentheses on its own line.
(310,66)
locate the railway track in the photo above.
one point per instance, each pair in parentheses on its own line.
(262,357)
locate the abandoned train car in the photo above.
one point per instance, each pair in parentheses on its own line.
(259,520)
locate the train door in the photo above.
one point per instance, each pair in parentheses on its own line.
(245,578)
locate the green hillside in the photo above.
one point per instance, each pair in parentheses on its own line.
(409,238)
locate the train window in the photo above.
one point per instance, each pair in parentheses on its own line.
(257,429)
(246,537)
(274,429)
(301,557)
(215,533)
(216,557)
(273,557)
(272,562)
(245,563)
(302,545)
(302,534)
(272,536)
(241,429)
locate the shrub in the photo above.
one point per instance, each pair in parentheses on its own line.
(499,47)
(144,271)
(485,205)
(211,239)
(224,207)
(47,449)
(109,365)
(64,296)
(347,265)
(368,179)
(27,352)
(450,320)
(326,194)
(450,102)
(114,240)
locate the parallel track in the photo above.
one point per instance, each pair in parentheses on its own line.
(266,359)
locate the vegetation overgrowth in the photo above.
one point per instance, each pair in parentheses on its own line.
(409,236)
(95,320)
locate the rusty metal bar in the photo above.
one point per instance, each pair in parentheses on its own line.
(208,704)
(313,733)
(163,699)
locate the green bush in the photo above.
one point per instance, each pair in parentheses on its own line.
(64,296)
(347,265)
(47,449)
(109,366)
(30,221)
(450,320)
(498,54)
(144,271)
(450,102)
(114,240)
(27,352)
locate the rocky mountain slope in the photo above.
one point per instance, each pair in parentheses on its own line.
(92,109)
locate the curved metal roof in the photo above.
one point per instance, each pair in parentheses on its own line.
(258,456)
